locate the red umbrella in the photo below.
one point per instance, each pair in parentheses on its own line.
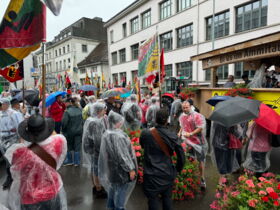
(269,119)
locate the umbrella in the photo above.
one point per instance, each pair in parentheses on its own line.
(52,97)
(216,99)
(88,88)
(31,96)
(269,119)
(114,92)
(235,111)
(125,95)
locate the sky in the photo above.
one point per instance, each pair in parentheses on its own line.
(73,10)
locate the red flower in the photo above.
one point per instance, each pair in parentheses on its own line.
(265,199)
(273,195)
(184,186)
(276,203)
(189,170)
(184,171)
(278,187)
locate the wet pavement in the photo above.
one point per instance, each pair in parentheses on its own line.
(77,185)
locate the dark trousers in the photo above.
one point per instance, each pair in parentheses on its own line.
(53,204)
(74,143)
(57,127)
(154,196)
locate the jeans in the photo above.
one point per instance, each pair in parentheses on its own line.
(153,198)
(117,196)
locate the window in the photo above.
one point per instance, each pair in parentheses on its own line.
(165,9)
(185,36)
(84,48)
(134,25)
(63,50)
(83,71)
(4,83)
(221,25)
(55,53)
(115,79)
(239,71)
(124,29)
(50,55)
(60,65)
(122,55)
(134,75)
(184,69)
(112,36)
(123,79)
(56,66)
(222,73)
(134,51)
(168,70)
(166,41)
(68,48)
(114,58)
(252,15)
(146,19)
(183,4)
(64,64)
(59,51)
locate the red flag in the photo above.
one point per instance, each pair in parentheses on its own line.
(162,71)
(67,81)
(13,72)
(150,79)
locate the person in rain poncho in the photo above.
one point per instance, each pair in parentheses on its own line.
(72,129)
(86,110)
(117,163)
(132,114)
(94,128)
(258,160)
(224,157)
(34,164)
(175,112)
(193,127)
(151,113)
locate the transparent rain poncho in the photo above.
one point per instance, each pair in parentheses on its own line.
(190,122)
(132,116)
(116,160)
(93,130)
(224,158)
(259,149)
(151,113)
(36,185)
(257,81)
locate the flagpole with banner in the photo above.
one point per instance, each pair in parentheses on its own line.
(43,81)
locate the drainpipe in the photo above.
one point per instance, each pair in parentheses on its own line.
(197,40)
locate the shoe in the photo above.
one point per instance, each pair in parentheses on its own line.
(101,194)
(76,158)
(76,165)
(203,184)
(7,184)
(69,159)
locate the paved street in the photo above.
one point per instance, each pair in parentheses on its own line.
(78,188)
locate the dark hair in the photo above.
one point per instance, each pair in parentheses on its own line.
(70,100)
(162,116)
(244,76)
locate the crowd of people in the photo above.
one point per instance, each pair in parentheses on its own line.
(91,132)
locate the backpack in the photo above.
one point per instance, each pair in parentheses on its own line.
(275,140)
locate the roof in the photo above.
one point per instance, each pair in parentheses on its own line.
(239,46)
(97,55)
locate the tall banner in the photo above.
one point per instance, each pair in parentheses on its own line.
(13,72)
(87,80)
(148,60)
(22,30)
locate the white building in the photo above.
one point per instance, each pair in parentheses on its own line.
(71,46)
(185,29)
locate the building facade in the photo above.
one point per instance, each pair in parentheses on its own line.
(69,47)
(187,28)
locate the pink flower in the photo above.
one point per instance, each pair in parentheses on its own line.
(262,192)
(252,202)
(250,183)
(241,179)
(218,195)
(269,174)
(138,154)
(235,193)
(262,179)
(137,147)
(214,205)
(184,145)
(222,180)
(269,189)
(260,185)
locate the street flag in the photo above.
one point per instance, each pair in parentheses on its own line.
(67,81)
(54,6)
(87,80)
(13,72)
(22,30)
(137,88)
(162,70)
(103,80)
(148,60)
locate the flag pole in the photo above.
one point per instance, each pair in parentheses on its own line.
(43,82)
(23,94)
(159,72)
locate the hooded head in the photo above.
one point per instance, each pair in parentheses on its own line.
(115,120)
(97,108)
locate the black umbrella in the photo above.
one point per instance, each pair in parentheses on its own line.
(31,96)
(235,111)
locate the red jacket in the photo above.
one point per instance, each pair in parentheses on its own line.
(57,110)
